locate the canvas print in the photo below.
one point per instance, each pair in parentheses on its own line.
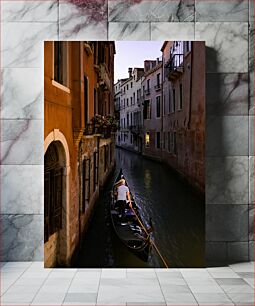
(124,154)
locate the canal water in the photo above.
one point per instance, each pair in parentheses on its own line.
(177,212)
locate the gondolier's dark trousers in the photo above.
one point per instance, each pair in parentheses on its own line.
(122,205)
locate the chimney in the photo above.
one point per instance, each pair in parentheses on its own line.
(130,72)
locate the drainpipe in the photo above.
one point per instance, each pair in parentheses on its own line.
(190,90)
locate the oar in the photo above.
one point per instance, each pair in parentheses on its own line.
(153,244)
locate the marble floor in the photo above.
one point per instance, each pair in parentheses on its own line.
(28,283)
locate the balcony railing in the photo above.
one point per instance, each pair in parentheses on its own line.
(93,129)
(147,91)
(157,87)
(174,66)
(137,128)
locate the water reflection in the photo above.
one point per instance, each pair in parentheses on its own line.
(176,211)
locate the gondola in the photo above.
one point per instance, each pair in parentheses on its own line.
(132,230)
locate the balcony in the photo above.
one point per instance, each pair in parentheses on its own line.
(147,91)
(117,107)
(136,129)
(104,79)
(174,67)
(158,87)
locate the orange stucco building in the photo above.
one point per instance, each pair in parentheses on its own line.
(78,84)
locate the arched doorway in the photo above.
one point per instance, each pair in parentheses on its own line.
(55,205)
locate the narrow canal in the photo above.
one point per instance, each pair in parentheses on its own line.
(177,212)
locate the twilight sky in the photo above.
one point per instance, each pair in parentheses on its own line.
(132,54)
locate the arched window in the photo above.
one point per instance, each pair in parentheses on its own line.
(53,191)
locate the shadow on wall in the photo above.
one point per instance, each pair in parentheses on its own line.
(218,220)
(226,225)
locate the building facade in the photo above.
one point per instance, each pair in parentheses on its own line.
(130,111)
(78,85)
(183,124)
(152,108)
(117,104)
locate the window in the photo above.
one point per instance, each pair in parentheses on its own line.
(127,120)
(131,119)
(148,85)
(158,79)
(127,87)
(158,140)
(127,102)
(173,101)
(85,183)
(124,123)
(158,106)
(60,62)
(134,97)
(147,140)
(131,100)
(180,105)
(147,109)
(131,85)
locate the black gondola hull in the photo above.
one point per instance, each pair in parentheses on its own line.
(132,233)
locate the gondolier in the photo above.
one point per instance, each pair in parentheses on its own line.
(132,231)
(122,195)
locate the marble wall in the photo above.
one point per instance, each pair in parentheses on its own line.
(228,30)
